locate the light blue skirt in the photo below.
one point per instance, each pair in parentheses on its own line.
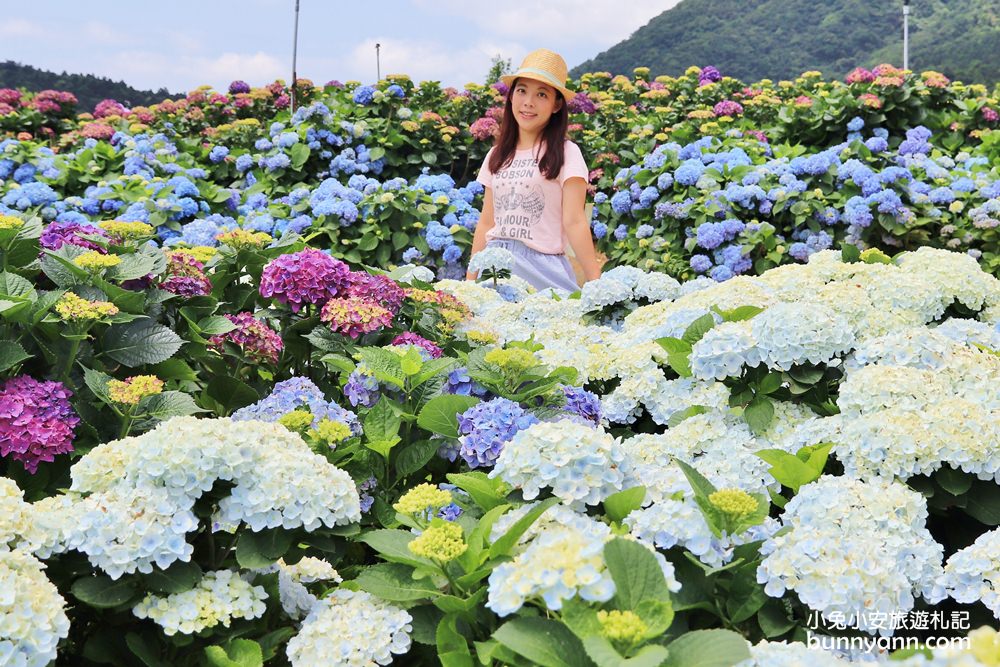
(539,269)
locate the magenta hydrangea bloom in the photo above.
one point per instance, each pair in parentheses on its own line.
(352,316)
(36,421)
(58,233)
(239,86)
(379,289)
(728,108)
(259,342)
(410,338)
(185,276)
(308,276)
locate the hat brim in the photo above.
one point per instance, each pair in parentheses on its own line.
(509,80)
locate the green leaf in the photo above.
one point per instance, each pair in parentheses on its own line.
(177,578)
(384,364)
(849,254)
(13,285)
(230,393)
(411,362)
(11,354)
(486,492)
(678,354)
(440,414)
(395,583)
(168,404)
(300,154)
(773,620)
(393,546)
(698,328)
(260,549)
(382,422)
(605,655)
(984,503)
(239,653)
(135,265)
(414,456)
(619,505)
(759,414)
(738,314)
(770,384)
(789,469)
(431,368)
(707,648)
(636,574)
(270,643)
(955,482)
(702,490)
(746,596)
(544,642)
(503,546)
(215,325)
(140,342)
(103,592)
(452,648)
(142,650)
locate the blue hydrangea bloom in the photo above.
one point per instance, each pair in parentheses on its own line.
(486,427)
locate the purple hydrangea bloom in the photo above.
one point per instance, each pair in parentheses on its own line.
(410,338)
(367,500)
(294,393)
(36,421)
(58,233)
(486,427)
(362,389)
(583,403)
(377,288)
(700,263)
(238,86)
(708,75)
(309,276)
(450,512)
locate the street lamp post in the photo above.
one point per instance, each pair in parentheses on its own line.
(295,53)
(906,34)
(378,64)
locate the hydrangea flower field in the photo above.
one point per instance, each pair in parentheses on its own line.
(251,414)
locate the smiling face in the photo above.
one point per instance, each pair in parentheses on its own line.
(533,103)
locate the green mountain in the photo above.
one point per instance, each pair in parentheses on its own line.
(89,89)
(780,39)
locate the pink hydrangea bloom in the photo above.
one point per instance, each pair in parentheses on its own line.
(258,341)
(484,128)
(36,421)
(185,276)
(728,108)
(410,338)
(353,317)
(107,108)
(379,289)
(860,75)
(304,277)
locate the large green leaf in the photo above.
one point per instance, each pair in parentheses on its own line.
(544,642)
(103,592)
(636,573)
(140,342)
(168,404)
(260,549)
(14,285)
(621,504)
(440,414)
(487,493)
(177,578)
(11,354)
(393,546)
(230,393)
(506,542)
(707,648)
(395,583)
(238,653)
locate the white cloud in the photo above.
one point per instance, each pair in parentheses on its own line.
(577,25)
(17,28)
(421,60)
(152,70)
(102,33)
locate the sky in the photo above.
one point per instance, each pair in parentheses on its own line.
(183,44)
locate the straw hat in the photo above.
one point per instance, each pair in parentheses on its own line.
(546,67)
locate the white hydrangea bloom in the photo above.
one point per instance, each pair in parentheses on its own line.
(218,598)
(970,331)
(603,292)
(795,333)
(656,287)
(879,387)
(853,546)
(560,556)
(296,599)
(793,654)
(409,272)
(278,481)
(491,259)
(918,347)
(477,297)
(973,573)
(724,350)
(671,396)
(17,526)
(956,275)
(32,613)
(353,629)
(581,464)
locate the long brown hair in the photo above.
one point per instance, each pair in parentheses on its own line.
(553,138)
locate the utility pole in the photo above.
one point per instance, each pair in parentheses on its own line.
(906,34)
(295,53)
(378,64)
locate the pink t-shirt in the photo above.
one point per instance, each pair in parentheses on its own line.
(527,207)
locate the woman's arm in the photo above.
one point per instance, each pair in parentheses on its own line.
(485,224)
(577,227)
